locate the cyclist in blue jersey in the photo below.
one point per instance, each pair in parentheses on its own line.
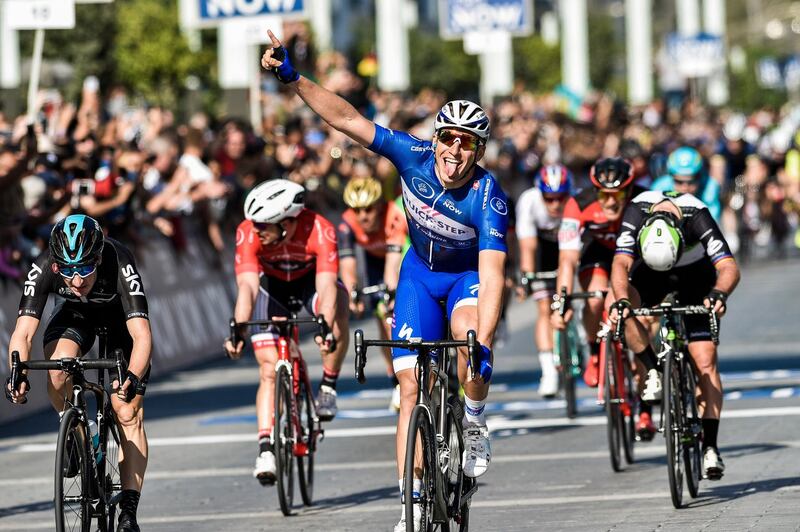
(686,175)
(457,219)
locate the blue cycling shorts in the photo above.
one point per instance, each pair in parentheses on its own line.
(423,296)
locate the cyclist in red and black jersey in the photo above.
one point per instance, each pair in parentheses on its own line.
(379,228)
(286,260)
(593,216)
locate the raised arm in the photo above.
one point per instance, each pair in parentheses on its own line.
(331,107)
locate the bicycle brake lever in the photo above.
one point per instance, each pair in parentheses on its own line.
(118,359)
(360,356)
(14,371)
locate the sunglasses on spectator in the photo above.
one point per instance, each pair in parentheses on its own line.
(467,141)
(554,198)
(82,271)
(367,210)
(604,195)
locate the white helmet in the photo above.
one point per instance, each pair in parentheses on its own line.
(273,201)
(463,115)
(661,241)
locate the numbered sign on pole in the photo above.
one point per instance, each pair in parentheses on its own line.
(40,14)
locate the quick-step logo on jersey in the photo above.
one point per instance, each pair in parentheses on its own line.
(405,332)
(435,225)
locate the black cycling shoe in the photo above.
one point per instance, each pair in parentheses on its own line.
(127,523)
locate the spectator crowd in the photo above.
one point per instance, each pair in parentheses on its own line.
(132,166)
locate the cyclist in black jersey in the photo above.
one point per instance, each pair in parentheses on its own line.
(97,285)
(670,242)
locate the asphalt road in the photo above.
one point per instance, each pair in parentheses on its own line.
(548,472)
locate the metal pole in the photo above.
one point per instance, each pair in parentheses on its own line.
(639,35)
(36,67)
(574,46)
(393,54)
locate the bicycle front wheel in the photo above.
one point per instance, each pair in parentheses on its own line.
(73,475)
(567,375)
(614,421)
(672,407)
(305,463)
(420,464)
(108,469)
(284,457)
(692,458)
(629,412)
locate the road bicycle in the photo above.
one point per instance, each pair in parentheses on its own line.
(87,477)
(296,427)
(570,345)
(679,420)
(435,441)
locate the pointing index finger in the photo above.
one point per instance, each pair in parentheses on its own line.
(275,42)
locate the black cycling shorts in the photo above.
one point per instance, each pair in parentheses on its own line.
(693,282)
(78,323)
(546,261)
(596,258)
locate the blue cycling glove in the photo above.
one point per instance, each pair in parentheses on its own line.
(286,72)
(485,360)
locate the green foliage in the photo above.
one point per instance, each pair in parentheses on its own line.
(745,92)
(604,50)
(536,64)
(443,65)
(151,54)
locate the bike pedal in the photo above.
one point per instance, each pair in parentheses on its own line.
(266,480)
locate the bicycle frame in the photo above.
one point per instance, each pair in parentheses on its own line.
(621,361)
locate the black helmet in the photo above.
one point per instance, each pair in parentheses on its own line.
(614,173)
(77,240)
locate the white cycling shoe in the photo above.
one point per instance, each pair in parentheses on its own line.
(548,384)
(652,388)
(326,403)
(395,404)
(401,525)
(713,466)
(477,450)
(265,468)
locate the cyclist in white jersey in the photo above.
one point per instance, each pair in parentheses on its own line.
(539,213)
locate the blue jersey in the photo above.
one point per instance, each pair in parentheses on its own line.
(447,227)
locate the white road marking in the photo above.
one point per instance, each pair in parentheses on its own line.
(495,424)
(363,509)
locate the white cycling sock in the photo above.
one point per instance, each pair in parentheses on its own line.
(417,487)
(547,362)
(473,411)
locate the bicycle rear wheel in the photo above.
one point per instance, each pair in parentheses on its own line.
(567,375)
(614,421)
(420,440)
(692,458)
(73,475)
(672,406)
(108,470)
(454,475)
(629,417)
(305,464)
(284,458)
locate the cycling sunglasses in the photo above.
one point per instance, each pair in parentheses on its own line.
(619,195)
(83,271)
(262,226)
(468,142)
(554,198)
(367,210)
(690,181)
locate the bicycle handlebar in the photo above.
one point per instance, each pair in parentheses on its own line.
(361,345)
(526,279)
(67,365)
(323,329)
(563,299)
(667,309)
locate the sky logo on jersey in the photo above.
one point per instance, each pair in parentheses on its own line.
(499,206)
(132,278)
(30,283)
(423,188)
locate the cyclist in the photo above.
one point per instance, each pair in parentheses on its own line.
(458,218)
(99,285)
(379,227)
(539,212)
(598,212)
(286,258)
(680,247)
(686,175)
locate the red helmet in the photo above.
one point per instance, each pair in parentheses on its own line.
(613,173)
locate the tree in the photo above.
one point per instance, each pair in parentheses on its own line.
(536,64)
(442,65)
